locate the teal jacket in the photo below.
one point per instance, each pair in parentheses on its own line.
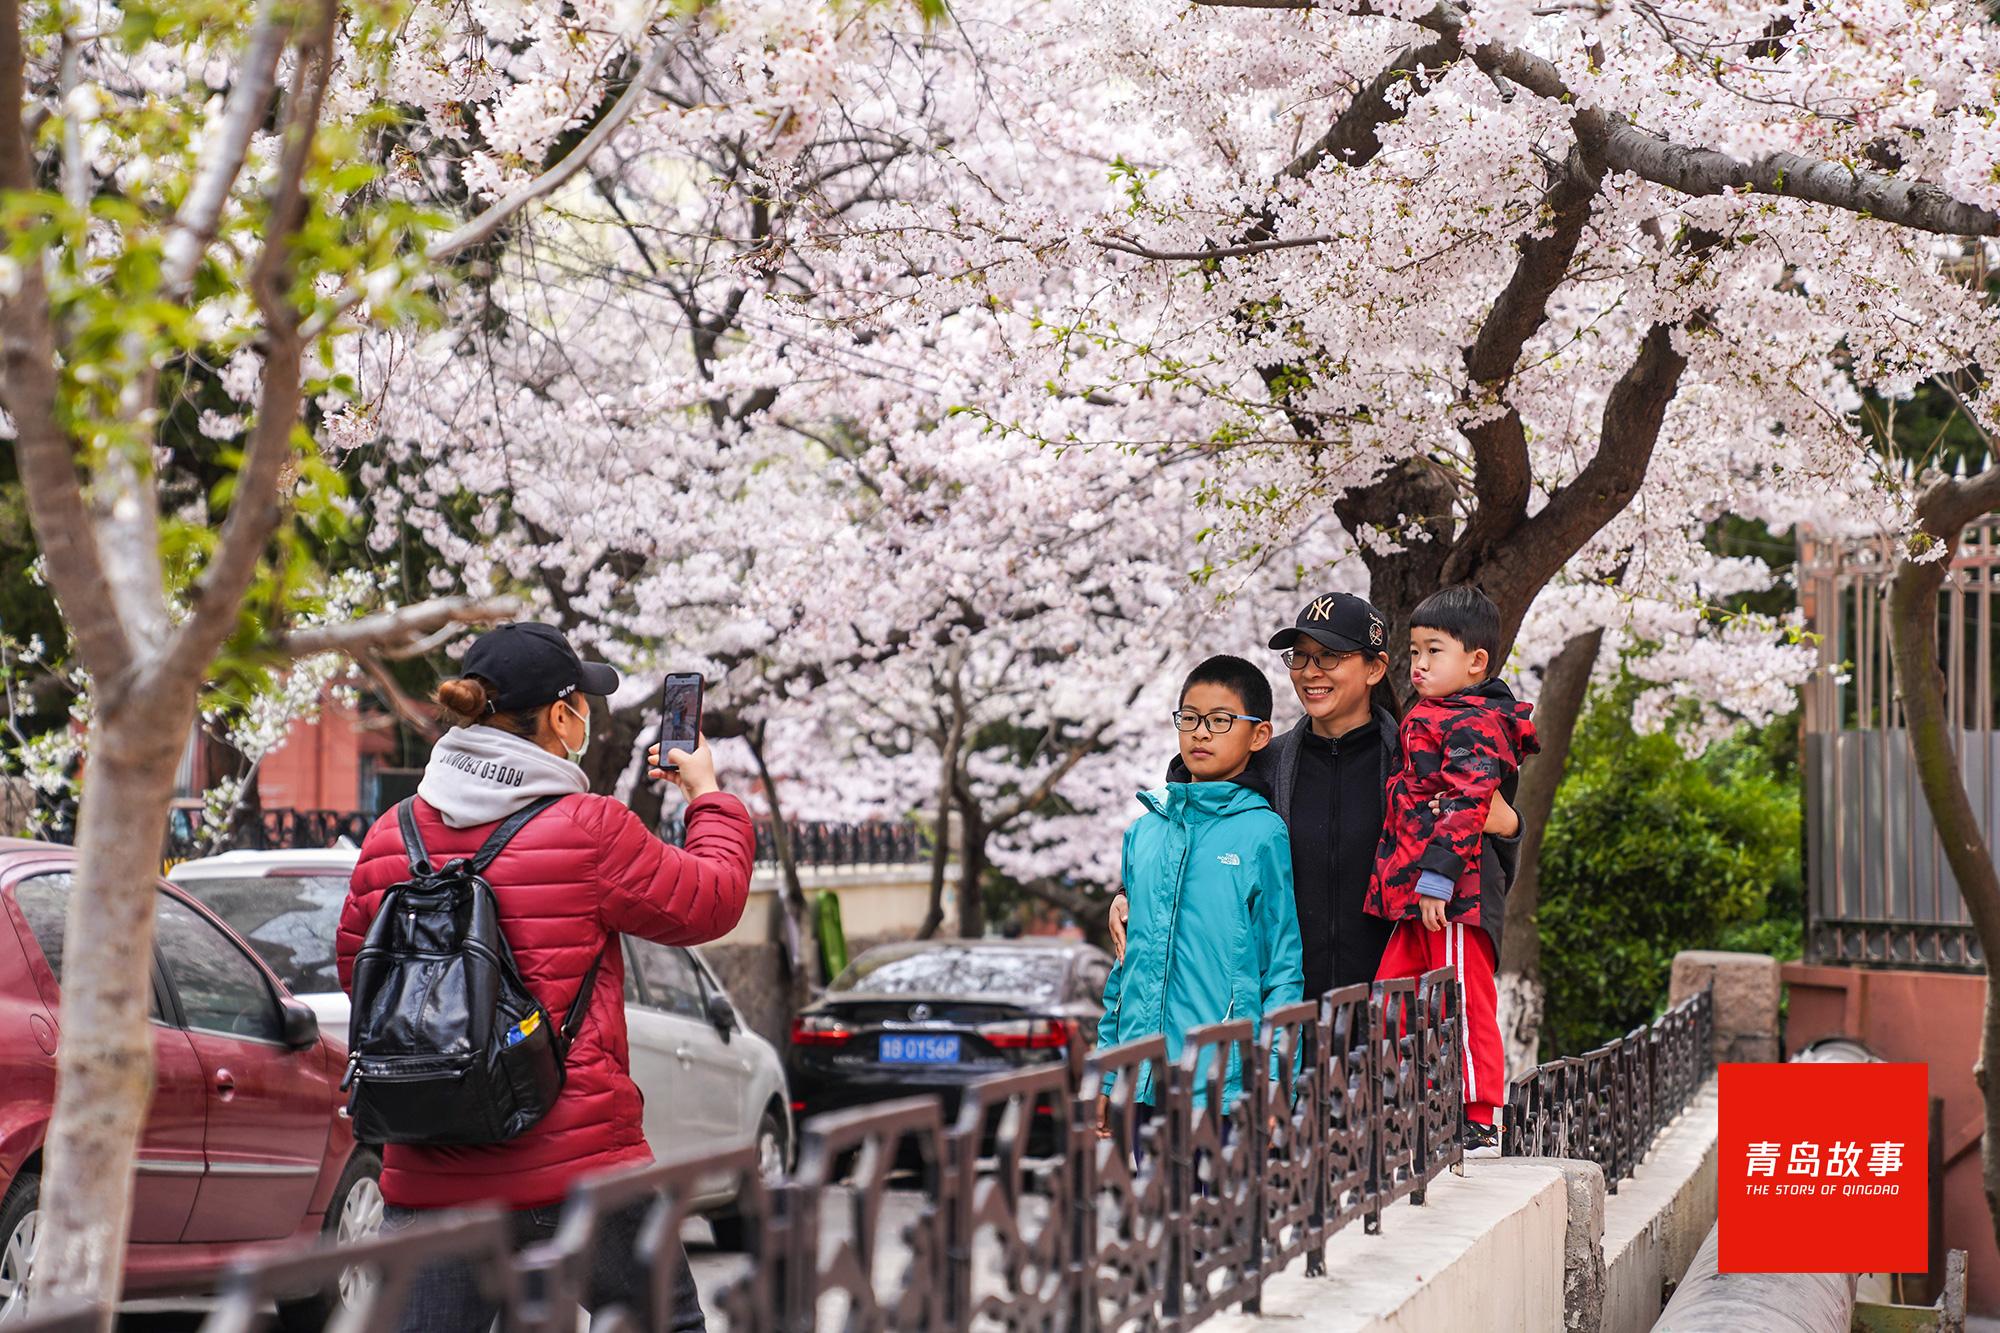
(1214,931)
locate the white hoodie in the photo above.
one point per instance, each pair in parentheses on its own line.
(479,775)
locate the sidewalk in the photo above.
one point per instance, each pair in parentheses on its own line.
(1485,1252)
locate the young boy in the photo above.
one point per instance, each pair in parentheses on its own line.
(1465,735)
(1214,932)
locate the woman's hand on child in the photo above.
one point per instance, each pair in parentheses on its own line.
(1433,910)
(1502,819)
(1114,922)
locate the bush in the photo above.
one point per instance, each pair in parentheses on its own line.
(1648,853)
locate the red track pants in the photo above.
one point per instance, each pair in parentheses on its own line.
(1414,951)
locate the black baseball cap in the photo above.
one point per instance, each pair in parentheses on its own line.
(1340,621)
(530,664)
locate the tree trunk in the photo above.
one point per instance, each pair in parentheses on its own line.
(104,1068)
(1913,645)
(1565,687)
(972,867)
(801,962)
(954,738)
(1415,494)
(940,861)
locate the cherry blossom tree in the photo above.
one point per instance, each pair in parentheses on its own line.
(214,193)
(1944,509)
(1501,294)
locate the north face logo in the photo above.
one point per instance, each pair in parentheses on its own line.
(1229,859)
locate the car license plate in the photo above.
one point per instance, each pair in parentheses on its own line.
(919,1050)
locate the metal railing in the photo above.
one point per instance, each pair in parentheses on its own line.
(1018,1213)
(868,843)
(1879,892)
(1608,1105)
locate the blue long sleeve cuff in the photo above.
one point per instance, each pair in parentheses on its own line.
(1431,884)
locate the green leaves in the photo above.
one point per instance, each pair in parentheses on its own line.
(1648,853)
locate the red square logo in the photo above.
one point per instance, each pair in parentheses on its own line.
(1824,1168)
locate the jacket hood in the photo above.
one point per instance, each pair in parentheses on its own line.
(1187,799)
(1493,697)
(480,775)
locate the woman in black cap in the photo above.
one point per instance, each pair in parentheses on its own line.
(574,877)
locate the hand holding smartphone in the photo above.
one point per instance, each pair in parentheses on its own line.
(680,735)
(680,714)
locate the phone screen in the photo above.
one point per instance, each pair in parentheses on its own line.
(680,714)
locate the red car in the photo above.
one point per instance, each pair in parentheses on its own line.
(247,1144)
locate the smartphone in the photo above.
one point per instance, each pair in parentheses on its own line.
(680,714)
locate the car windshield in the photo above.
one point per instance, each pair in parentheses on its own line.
(290,920)
(950,971)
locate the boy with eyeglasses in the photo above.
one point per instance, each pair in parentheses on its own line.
(1464,736)
(1208,869)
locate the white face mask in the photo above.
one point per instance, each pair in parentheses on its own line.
(576,756)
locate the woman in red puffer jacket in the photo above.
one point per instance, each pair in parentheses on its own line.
(575,877)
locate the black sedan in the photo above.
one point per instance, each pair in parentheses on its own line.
(930,1016)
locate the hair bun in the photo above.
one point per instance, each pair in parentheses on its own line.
(463,699)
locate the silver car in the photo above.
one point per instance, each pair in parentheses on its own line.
(709,1082)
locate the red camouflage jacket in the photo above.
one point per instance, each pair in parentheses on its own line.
(1460,747)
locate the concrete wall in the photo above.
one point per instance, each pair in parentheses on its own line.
(1656,1221)
(1484,1252)
(1516,1245)
(877,903)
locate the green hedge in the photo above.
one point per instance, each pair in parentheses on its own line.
(1648,853)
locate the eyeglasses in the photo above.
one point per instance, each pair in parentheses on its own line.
(1298,660)
(1186,719)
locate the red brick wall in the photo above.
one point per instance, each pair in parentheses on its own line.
(319,765)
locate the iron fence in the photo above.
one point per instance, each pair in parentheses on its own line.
(276,828)
(1036,1208)
(1609,1104)
(867,843)
(1879,892)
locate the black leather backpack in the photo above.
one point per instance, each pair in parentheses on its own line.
(446,1045)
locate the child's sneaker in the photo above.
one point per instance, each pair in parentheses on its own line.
(1475,1136)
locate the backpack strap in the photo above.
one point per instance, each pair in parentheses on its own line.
(413,841)
(579,1008)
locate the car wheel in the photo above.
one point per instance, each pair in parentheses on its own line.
(731,1228)
(20,1216)
(353,1215)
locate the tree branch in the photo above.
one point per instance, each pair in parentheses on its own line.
(482,227)
(43,450)
(1044,789)
(1948,505)
(1633,413)
(1501,476)
(1692,170)
(252,81)
(1217,252)
(1353,138)
(390,630)
(255,511)
(414,715)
